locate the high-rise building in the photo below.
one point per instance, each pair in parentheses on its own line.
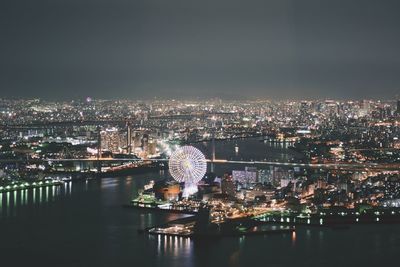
(265,176)
(280,174)
(145,142)
(112,140)
(398,107)
(129,139)
(249,175)
(152,146)
(137,140)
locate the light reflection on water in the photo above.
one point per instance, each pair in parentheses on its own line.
(108,183)
(293,238)
(12,203)
(179,248)
(112,233)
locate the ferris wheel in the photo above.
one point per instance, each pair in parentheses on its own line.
(187,164)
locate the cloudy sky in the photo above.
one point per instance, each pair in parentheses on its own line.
(141,49)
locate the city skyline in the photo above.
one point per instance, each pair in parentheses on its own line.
(169,174)
(199,133)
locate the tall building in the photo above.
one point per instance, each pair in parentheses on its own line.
(265,176)
(152,146)
(137,140)
(129,139)
(398,107)
(145,142)
(112,140)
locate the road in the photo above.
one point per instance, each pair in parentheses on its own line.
(339,165)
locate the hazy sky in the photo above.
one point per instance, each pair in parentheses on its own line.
(141,49)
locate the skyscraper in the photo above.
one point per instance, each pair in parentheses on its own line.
(111,140)
(129,139)
(398,107)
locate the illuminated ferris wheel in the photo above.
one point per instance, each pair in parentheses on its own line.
(187,164)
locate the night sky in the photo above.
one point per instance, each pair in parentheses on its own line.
(141,49)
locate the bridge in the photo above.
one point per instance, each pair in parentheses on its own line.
(332,166)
